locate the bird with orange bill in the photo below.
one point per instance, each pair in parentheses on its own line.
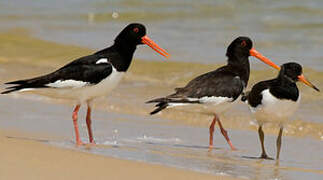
(89,77)
(214,92)
(276,100)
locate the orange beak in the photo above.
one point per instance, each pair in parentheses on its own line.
(305,81)
(154,46)
(259,56)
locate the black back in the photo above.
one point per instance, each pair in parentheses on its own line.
(86,69)
(227,81)
(222,82)
(283,87)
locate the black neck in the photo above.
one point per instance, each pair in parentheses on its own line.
(285,88)
(125,54)
(126,51)
(241,66)
(285,80)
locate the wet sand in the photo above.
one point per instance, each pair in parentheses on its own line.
(24,156)
(173,138)
(149,79)
(145,139)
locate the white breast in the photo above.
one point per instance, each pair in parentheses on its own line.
(274,109)
(104,87)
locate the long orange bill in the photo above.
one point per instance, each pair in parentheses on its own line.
(305,81)
(259,56)
(154,46)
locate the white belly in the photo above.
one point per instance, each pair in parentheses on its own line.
(82,94)
(274,110)
(210,105)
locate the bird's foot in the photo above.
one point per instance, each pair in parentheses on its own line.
(231,145)
(233,148)
(211,147)
(92,143)
(264,156)
(79,143)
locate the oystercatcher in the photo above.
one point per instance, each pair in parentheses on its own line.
(276,100)
(215,91)
(91,76)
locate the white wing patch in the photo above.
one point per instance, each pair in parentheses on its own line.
(176,104)
(212,99)
(26,89)
(102,60)
(67,84)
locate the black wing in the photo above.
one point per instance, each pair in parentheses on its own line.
(221,82)
(215,83)
(254,96)
(83,70)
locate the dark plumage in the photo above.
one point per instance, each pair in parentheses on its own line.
(91,76)
(276,100)
(216,88)
(206,85)
(84,69)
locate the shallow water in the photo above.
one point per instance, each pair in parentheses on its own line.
(287,27)
(148,80)
(282,30)
(194,31)
(155,140)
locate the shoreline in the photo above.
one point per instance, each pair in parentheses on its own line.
(26,158)
(151,79)
(39,132)
(166,139)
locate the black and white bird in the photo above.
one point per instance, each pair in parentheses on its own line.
(215,91)
(276,100)
(89,77)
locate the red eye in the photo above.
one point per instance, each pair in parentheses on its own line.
(243,43)
(136,30)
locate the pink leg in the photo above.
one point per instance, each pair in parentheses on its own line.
(77,134)
(225,134)
(211,130)
(88,123)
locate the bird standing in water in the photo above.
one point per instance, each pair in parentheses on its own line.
(215,91)
(276,100)
(91,76)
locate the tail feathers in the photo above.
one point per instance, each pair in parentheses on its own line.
(160,106)
(20,85)
(20,82)
(9,91)
(158,100)
(13,88)
(164,102)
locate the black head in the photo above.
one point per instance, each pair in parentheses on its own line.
(291,71)
(135,34)
(132,34)
(240,47)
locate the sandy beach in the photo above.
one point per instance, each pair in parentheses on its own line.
(36,139)
(28,156)
(25,158)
